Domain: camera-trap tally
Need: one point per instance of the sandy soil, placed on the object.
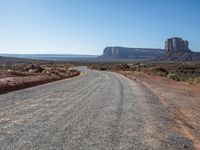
(181, 99)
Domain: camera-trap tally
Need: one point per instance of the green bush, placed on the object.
(173, 76)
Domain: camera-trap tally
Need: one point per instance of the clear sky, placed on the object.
(87, 26)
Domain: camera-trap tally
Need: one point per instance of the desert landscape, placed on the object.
(172, 86)
(99, 75)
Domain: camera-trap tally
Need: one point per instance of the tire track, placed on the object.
(70, 119)
(103, 110)
(116, 125)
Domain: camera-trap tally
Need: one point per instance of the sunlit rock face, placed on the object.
(176, 45)
(130, 53)
(177, 50)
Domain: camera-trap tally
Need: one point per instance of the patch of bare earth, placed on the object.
(181, 99)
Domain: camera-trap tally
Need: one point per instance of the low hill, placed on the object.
(180, 57)
(13, 60)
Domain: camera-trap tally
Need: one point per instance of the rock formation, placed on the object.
(177, 49)
(176, 45)
(130, 53)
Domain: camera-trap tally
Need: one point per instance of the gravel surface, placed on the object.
(97, 111)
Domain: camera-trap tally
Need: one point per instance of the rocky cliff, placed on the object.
(130, 53)
(176, 45)
(177, 49)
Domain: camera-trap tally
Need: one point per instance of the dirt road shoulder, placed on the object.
(181, 99)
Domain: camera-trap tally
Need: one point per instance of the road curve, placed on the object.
(96, 111)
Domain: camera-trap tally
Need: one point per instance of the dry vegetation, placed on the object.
(22, 75)
(187, 72)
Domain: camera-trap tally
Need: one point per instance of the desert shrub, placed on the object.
(158, 71)
(197, 80)
(185, 68)
(173, 76)
(62, 70)
(187, 72)
(124, 67)
(33, 68)
(102, 68)
(142, 65)
(47, 72)
(73, 70)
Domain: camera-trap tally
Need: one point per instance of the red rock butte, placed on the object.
(176, 45)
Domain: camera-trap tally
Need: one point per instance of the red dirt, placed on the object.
(181, 99)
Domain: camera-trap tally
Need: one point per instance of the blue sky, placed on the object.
(87, 26)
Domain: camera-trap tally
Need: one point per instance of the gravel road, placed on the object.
(96, 111)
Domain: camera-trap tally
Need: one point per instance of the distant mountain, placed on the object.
(130, 53)
(50, 56)
(177, 49)
(3, 58)
(12, 60)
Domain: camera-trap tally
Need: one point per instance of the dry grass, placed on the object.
(19, 76)
(186, 72)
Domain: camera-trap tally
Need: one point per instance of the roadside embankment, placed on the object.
(32, 75)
